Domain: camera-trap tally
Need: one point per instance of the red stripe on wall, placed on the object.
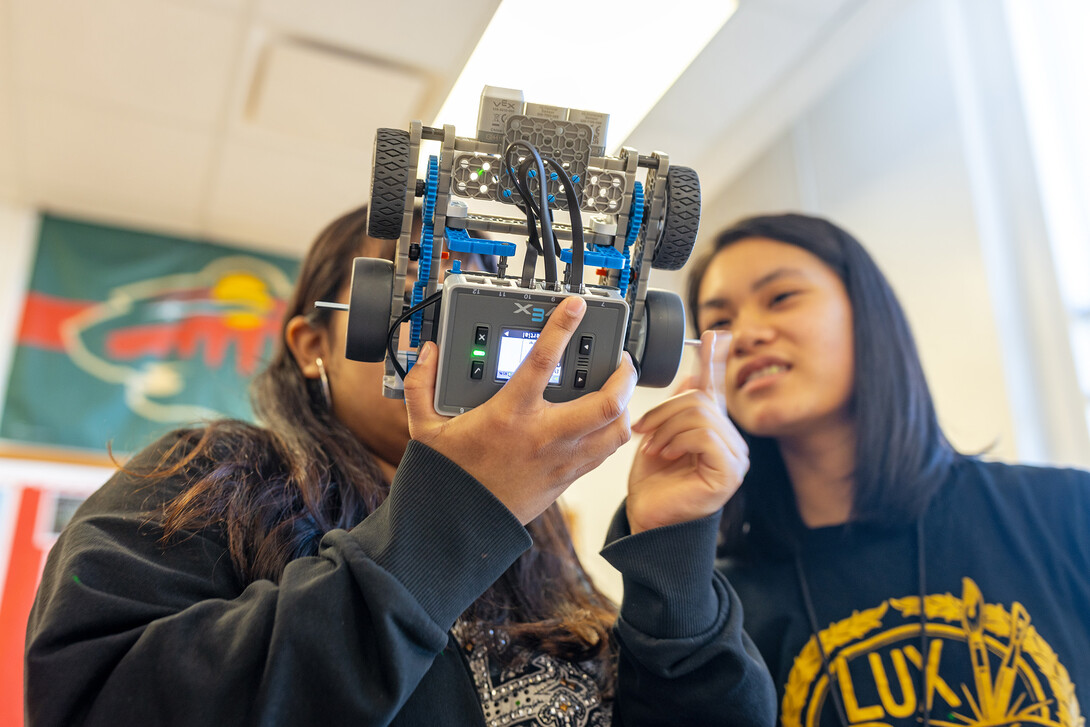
(42, 318)
(24, 570)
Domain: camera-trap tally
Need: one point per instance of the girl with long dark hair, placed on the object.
(360, 560)
(886, 578)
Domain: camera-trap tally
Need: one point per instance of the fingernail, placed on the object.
(425, 353)
(575, 306)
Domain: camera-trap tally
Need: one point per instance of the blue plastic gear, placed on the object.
(431, 190)
(635, 216)
(427, 238)
(635, 221)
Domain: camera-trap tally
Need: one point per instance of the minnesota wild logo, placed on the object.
(125, 334)
(155, 336)
(985, 667)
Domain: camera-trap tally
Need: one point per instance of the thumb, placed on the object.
(420, 392)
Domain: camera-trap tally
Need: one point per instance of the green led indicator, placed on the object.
(479, 352)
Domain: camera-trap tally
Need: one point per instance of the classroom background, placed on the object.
(165, 163)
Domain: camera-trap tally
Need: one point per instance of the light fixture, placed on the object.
(614, 56)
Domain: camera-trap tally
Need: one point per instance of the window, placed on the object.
(1051, 57)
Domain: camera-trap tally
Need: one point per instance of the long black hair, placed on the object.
(902, 454)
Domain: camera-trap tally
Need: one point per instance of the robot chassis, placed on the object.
(634, 226)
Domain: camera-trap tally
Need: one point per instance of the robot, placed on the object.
(643, 214)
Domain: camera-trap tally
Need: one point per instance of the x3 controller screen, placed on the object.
(515, 345)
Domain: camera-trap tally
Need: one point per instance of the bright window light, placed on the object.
(612, 56)
(1051, 58)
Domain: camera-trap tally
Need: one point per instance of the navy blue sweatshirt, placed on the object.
(1006, 579)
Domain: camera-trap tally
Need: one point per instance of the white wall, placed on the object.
(884, 154)
(18, 232)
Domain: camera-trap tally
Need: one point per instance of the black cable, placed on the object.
(800, 574)
(528, 207)
(530, 210)
(922, 578)
(548, 245)
(529, 261)
(545, 219)
(521, 181)
(430, 300)
(575, 216)
(529, 264)
(523, 184)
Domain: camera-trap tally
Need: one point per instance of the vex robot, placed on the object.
(527, 165)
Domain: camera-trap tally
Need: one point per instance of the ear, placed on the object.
(307, 343)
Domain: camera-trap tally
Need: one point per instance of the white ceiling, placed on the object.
(252, 121)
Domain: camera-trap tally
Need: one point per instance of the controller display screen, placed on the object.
(515, 345)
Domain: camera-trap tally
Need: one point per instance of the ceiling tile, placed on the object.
(79, 156)
(435, 35)
(279, 200)
(157, 56)
(310, 92)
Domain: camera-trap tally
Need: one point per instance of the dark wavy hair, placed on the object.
(902, 454)
(276, 489)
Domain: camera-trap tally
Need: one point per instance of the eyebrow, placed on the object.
(757, 285)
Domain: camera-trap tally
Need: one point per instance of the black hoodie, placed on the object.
(1005, 569)
(128, 631)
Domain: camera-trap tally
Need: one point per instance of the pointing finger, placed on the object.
(533, 374)
(716, 365)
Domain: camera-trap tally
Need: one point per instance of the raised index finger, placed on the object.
(711, 379)
(528, 383)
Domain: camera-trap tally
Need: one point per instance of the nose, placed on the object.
(749, 332)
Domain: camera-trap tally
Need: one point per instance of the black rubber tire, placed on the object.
(389, 184)
(682, 219)
(664, 321)
(369, 309)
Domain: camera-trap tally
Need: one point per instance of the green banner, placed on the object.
(127, 334)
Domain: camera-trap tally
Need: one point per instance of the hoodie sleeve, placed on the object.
(127, 630)
(684, 658)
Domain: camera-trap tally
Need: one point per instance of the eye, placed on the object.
(781, 297)
(722, 324)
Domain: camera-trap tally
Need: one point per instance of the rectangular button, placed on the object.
(481, 337)
(584, 345)
(580, 379)
(476, 369)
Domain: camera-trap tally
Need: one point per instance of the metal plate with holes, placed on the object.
(603, 191)
(565, 141)
(476, 176)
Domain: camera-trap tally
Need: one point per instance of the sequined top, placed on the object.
(526, 688)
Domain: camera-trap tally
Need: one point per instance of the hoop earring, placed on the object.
(325, 383)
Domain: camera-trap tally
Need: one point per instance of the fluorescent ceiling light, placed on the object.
(614, 56)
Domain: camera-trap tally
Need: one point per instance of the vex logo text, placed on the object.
(537, 314)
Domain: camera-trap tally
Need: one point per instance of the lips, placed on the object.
(760, 368)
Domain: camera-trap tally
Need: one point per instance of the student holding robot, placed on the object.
(362, 560)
